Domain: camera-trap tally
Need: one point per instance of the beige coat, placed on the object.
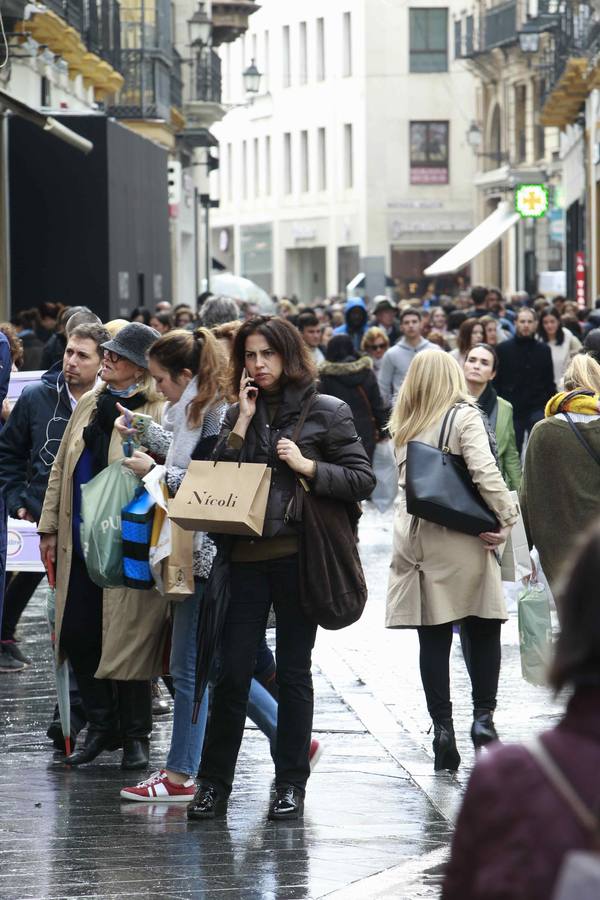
(438, 575)
(134, 623)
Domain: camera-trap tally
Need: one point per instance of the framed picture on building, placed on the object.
(429, 152)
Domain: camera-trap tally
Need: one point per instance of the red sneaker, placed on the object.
(158, 789)
(314, 756)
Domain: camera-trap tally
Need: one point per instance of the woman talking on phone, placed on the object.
(275, 377)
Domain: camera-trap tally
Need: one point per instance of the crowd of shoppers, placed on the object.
(522, 394)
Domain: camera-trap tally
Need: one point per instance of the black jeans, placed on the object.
(483, 636)
(524, 422)
(254, 587)
(19, 592)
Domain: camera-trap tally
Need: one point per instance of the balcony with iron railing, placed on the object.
(98, 22)
(486, 30)
(202, 96)
(564, 61)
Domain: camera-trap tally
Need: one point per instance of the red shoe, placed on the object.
(158, 789)
(314, 756)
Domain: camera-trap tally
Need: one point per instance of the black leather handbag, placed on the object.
(333, 590)
(439, 487)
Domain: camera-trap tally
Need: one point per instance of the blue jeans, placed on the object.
(262, 709)
(187, 738)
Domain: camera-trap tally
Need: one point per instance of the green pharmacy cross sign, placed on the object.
(532, 200)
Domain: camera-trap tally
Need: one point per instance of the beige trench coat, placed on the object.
(438, 575)
(134, 623)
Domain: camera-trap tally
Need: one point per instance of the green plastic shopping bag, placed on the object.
(102, 500)
(535, 633)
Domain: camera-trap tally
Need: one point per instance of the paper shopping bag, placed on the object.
(223, 498)
(516, 562)
(178, 567)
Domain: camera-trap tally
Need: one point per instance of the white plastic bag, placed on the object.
(516, 561)
(153, 482)
(386, 472)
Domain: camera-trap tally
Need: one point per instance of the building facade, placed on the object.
(353, 156)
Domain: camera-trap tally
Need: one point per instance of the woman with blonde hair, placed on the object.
(114, 638)
(439, 576)
(561, 472)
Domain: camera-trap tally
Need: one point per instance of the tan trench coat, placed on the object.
(134, 623)
(438, 575)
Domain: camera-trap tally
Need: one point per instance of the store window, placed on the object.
(428, 40)
(429, 152)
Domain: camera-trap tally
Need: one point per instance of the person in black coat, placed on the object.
(275, 378)
(525, 374)
(350, 378)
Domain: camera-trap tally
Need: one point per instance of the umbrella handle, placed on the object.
(50, 570)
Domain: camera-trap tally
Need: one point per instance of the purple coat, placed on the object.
(514, 829)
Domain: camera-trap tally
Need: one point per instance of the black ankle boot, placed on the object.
(444, 746)
(95, 743)
(482, 730)
(136, 753)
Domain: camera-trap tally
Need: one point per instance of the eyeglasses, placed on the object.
(377, 346)
(112, 356)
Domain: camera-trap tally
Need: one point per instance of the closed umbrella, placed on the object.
(213, 611)
(61, 670)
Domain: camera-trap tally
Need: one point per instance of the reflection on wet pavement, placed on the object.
(65, 833)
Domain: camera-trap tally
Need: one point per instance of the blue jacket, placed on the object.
(30, 440)
(356, 334)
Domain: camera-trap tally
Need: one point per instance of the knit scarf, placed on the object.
(584, 402)
(97, 435)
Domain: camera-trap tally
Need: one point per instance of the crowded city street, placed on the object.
(379, 823)
(299, 450)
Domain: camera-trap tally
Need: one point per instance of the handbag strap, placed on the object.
(365, 397)
(444, 440)
(588, 819)
(303, 417)
(581, 438)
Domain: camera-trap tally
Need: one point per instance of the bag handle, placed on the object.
(581, 438)
(444, 441)
(588, 819)
(303, 418)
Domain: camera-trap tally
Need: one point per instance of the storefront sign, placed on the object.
(23, 547)
(532, 200)
(424, 175)
(580, 278)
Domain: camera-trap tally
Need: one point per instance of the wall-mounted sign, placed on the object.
(580, 278)
(532, 200)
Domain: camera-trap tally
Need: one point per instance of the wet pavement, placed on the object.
(377, 820)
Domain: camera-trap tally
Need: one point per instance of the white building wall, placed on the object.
(375, 95)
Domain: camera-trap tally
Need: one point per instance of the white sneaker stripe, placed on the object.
(160, 789)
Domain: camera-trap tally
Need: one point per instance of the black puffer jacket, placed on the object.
(328, 436)
(354, 382)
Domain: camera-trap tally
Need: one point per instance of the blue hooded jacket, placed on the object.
(356, 334)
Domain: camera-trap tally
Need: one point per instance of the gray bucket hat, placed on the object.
(133, 342)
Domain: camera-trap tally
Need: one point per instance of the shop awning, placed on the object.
(46, 122)
(478, 240)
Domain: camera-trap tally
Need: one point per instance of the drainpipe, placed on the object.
(4, 220)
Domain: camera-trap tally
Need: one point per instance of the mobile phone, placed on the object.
(251, 383)
(139, 421)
